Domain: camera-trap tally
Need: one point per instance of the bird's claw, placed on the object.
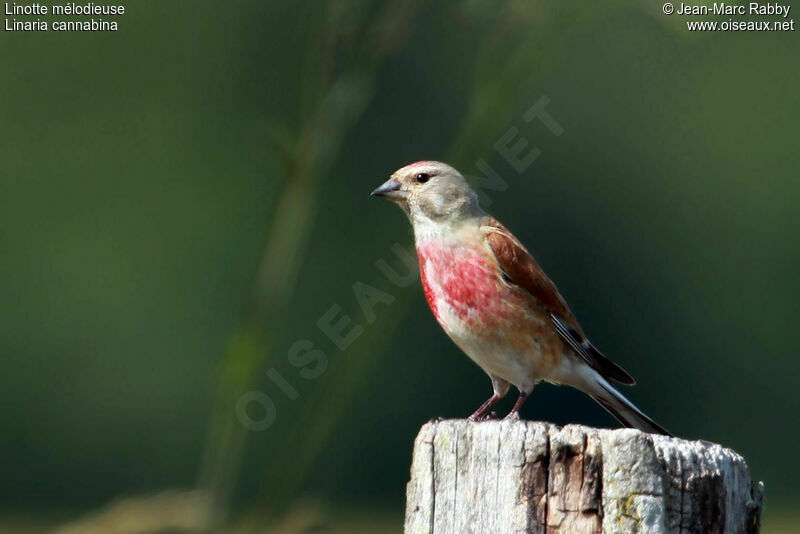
(491, 416)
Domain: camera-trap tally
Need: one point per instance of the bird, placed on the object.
(495, 302)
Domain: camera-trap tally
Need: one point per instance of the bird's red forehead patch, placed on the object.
(422, 163)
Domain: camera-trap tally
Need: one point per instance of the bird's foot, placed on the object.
(436, 419)
(512, 416)
(476, 418)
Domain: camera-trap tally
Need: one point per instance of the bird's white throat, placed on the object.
(443, 231)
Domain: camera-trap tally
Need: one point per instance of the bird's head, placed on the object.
(430, 192)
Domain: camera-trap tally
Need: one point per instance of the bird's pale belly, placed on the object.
(494, 323)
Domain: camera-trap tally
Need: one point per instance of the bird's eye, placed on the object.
(423, 177)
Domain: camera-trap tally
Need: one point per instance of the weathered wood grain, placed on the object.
(504, 477)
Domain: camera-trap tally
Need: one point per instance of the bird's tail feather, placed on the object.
(623, 409)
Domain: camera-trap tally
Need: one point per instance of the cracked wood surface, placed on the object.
(504, 477)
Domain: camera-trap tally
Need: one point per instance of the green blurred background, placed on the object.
(182, 200)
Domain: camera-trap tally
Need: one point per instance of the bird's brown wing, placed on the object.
(521, 269)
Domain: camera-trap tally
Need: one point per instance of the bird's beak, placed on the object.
(390, 190)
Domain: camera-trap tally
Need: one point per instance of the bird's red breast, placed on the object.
(464, 289)
(458, 277)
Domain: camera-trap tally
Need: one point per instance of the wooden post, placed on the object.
(504, 477)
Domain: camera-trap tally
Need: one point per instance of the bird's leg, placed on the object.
(485, 407)
(500, 388)
(514, 413)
